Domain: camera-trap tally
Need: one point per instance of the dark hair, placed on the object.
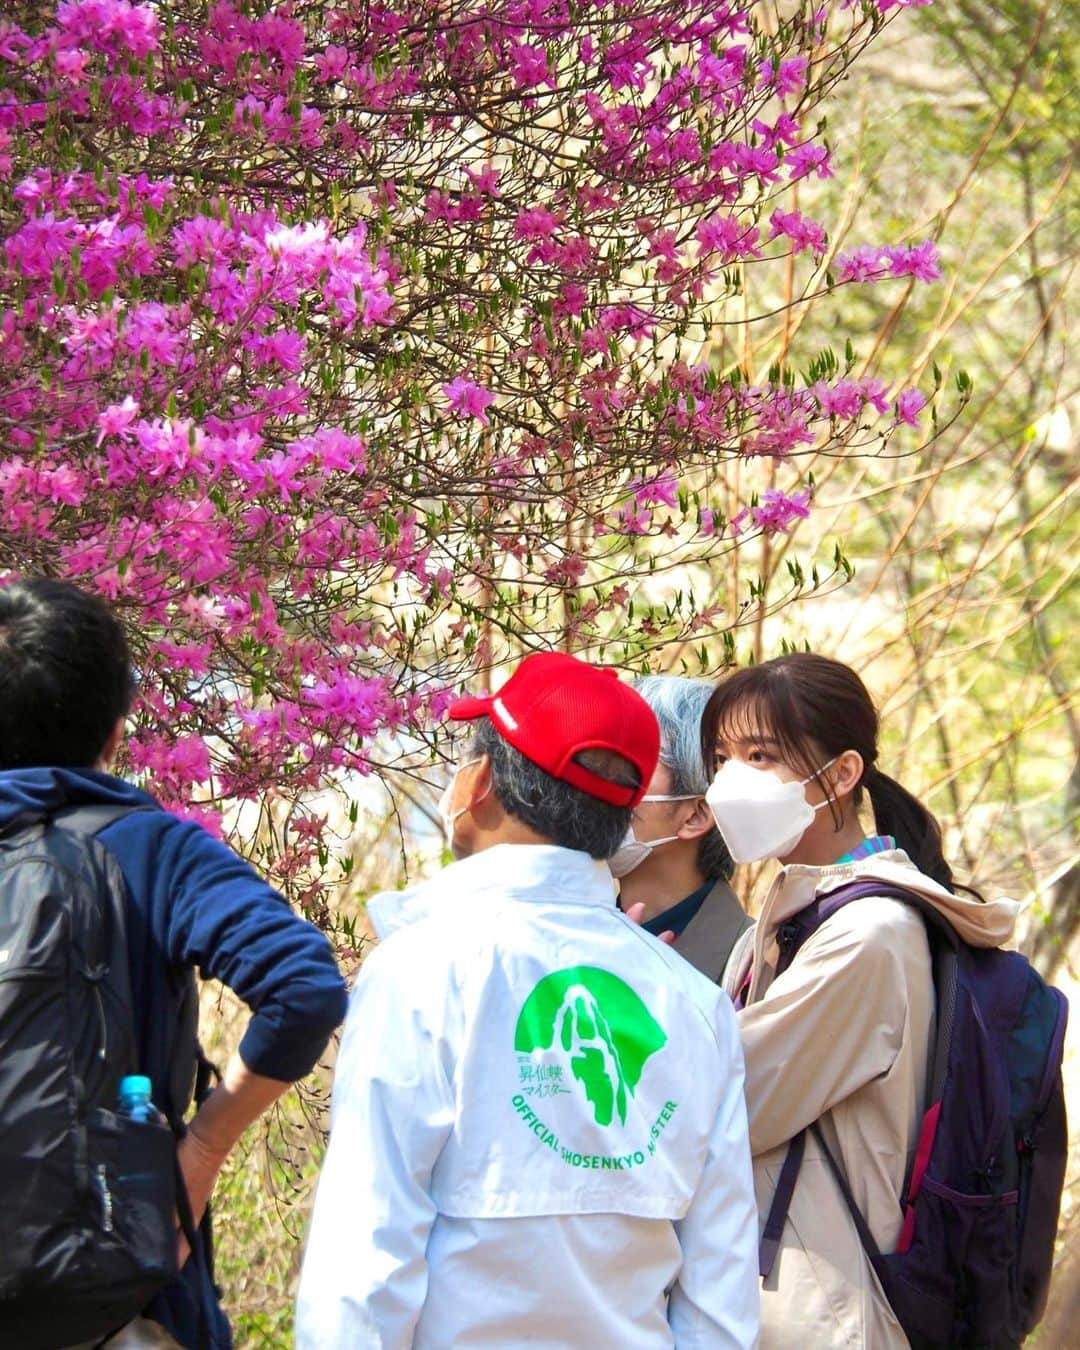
(564, 814)
(65, 674)
(714, 861)
(810, 704)
(678, 703)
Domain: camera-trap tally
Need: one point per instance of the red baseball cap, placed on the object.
(554, 706)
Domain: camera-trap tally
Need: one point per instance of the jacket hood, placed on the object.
(981, 923)
(41, 791)
(512, 871)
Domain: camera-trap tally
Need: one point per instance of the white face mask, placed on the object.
(759, 815)
(633, 851)
(446, 815)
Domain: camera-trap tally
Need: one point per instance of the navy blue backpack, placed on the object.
(972, 1265)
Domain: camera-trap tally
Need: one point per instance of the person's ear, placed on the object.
(477, 784)
(844, 774)
(112, 745)
(698, 823)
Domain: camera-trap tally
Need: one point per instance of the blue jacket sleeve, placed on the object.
(209, 908)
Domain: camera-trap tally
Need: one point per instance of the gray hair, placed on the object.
(678, 703)
(562, 813)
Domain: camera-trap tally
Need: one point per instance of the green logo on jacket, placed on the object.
(602, 1028)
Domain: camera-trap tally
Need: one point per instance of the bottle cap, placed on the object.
(135, 1085)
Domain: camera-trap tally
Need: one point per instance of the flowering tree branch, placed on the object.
(348, 346)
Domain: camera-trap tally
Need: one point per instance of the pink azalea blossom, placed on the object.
(802, 160)
(485, 179)
(917, 260)
(909, 404)
(661, 490)
(529, 67)
(778, 511)
(864, 264)
(116, 418)
(728, 236)
(802, 232)
(536, 223)
(843, 399)
(468, 398)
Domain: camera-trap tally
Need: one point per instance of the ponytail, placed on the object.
(899, 813)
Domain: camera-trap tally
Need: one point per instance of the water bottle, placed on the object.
(139, 1206)
(133, 1099)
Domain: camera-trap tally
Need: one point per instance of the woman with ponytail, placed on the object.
(837, 1036)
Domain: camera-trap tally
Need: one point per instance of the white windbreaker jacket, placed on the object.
(538, 1134)
(842, 1037)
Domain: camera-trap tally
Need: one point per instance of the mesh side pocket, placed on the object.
(133, 1172)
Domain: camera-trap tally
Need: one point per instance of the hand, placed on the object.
(199, 1166)
(637, 914)
(237, 1102)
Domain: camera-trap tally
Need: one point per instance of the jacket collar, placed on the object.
(523, 872)
(798, 884)
(707, 940)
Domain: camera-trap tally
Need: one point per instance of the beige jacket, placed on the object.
(842, 1036)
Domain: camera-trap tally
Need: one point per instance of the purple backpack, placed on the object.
(972, 1265)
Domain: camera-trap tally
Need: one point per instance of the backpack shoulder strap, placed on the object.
(794, 932)
(889, 890)
(791, 937)
(185, 1054)
(781, 1203)
(870, 1247)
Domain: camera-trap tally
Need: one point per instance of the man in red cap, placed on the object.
(538, 1132)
